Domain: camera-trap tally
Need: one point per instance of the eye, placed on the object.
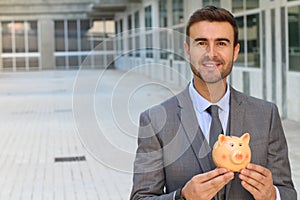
(231, 144)
(221, 43)
(202, 44)
(240, 144)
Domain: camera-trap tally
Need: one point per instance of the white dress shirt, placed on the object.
(201, 104)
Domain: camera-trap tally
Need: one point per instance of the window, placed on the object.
(72, 35)
(148, 18)
(74, 39)
(137, 36)
(129, 23)
(85, 26)
(178, 40)
(148, 25)
(163, 13)
(59, 35)
(249, 41)
(32, 36)
(177, 10)
(20, 45)
(130, 40)
(136, 21)
(241, 5)
(7, 37)
(253, 40)
(211, 2)
(19, 28)
(294, 38)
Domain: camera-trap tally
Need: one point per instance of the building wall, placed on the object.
(268, 65)
(38, 34)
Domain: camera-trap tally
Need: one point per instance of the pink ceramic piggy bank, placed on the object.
(231, 152)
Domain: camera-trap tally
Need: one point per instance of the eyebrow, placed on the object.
(218, 39)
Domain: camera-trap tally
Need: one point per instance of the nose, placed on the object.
(211, 51)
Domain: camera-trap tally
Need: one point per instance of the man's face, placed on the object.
(211, 51)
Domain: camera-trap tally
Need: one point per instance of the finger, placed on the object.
(216, 184)
(219, 182)
(253, 190)
(262, 170)
(253, 176)
(251, 182)
(201, 178)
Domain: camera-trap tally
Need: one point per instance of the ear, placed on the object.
(246, 138)
(187, 51)
(221, 139)
(236, 52)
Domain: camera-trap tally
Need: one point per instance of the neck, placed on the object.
(212, 92)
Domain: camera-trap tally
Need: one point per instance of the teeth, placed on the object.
(210, 65)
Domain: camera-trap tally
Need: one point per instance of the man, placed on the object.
(173, 159)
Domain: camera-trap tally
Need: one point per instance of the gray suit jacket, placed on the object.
(172, 148)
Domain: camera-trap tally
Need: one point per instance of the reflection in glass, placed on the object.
(6, 38)
(241, 58)
(241, 5)
(19, 30)
(136, 21)
(163, 42)
(149, 49)
(137, 36)
(179, 38)
(7, 63)
(253, 40)
(84, 35)
(59, 35)
(163, 13)
(237, 5)
(252, 4)
(72, 35)
(294, 38)
(20, 63)
(177, 11)
(148, 18)
(211, 2)
(32, 36)
(249, 54)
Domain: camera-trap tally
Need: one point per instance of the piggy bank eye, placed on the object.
(231, 144)
(240, 144)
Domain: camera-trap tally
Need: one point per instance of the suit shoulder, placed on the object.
(253, 101)
(169, 104)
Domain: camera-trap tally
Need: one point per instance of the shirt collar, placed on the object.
(201, 104)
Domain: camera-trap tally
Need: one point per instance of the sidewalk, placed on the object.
(57, 144)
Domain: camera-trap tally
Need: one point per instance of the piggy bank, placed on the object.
(231, 152)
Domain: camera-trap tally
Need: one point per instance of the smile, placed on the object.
(211, 65)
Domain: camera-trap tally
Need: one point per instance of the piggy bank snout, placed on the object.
(238, 157)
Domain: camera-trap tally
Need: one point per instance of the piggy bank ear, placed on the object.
(246, 138)
(221, 139)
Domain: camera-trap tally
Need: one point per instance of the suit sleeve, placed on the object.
(278, 161)
(148, 177)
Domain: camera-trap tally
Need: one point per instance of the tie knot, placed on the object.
(213, 110)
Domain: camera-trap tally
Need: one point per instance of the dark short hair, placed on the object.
(212, 14)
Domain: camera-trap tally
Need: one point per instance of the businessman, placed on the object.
(173, 158)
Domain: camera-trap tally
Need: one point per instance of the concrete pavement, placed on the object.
(69, 135)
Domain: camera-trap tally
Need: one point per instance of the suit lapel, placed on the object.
(236, 115)
(189, 122)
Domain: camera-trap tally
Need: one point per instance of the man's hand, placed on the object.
(258, 181)
(205, 186)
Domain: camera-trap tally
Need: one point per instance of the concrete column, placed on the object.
(46, 27)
